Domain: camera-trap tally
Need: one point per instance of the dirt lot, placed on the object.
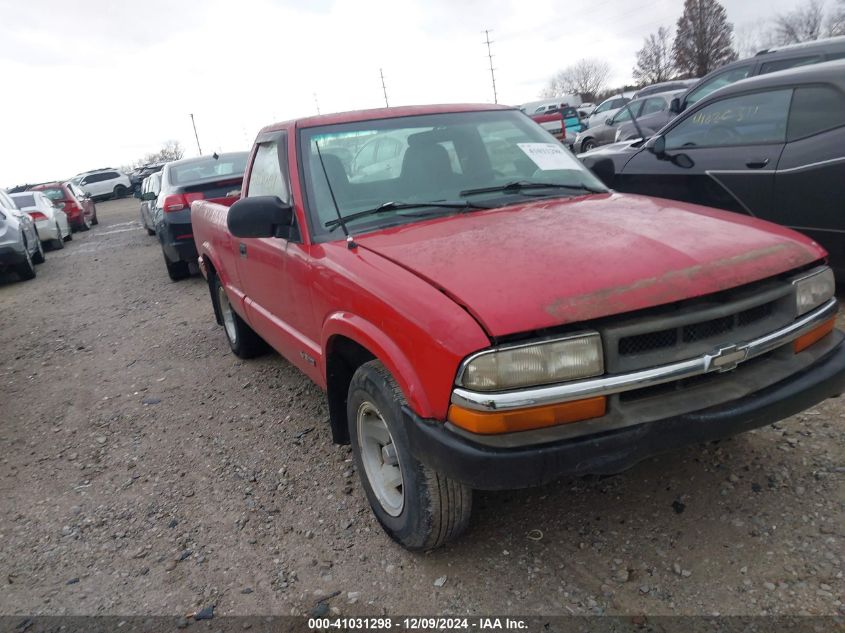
(147, 470)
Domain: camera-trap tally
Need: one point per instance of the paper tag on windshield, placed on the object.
(549, 156)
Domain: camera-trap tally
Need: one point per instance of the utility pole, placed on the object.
(492, 73)
(316, 103)
(197, 136)
(383, 88)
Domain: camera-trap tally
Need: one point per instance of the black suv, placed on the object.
(772, 147)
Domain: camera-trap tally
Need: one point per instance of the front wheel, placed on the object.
(418, 507)
(587, 144)
(243, 340)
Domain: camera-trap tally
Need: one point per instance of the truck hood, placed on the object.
(556, 261)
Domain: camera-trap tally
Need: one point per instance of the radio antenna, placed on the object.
(350, 242)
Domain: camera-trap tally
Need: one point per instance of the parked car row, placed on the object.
(41, 215)
(166, 196)
(771, 147)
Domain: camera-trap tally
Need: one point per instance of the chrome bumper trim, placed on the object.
(720, 360)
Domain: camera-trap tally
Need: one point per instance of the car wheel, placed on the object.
(94, 220)
(38, 255)
(151, 231)
(69, 236)
(243, 340)
(587, 144)
(418, 507)
(119, 191)
(59, 242)
(26, 269)
(84, 225)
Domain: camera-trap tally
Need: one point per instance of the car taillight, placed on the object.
(179, 201)
(37, 216)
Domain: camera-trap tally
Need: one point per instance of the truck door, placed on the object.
(274, 271)
(722, 155)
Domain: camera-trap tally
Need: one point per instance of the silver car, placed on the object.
(20, 248)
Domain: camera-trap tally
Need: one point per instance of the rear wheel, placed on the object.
(94, 220)
(151, 231)
(26, 269)
(38, 255)
(119, 191)
(59, 242)
(243, 340)
(418, 507)
(177, 270)
(84, 223)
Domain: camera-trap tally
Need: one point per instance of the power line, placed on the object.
(197, 136)
(492, 70)
(383, 88)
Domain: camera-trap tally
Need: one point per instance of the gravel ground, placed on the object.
(146, 470)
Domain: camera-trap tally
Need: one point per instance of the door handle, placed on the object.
(242, 249)
(757, 163)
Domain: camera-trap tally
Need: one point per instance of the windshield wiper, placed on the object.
(521, 185)
(398, 206)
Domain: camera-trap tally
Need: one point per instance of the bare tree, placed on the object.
(836, 20)
(586, 78)
(749, 39)
(654, 59)
(703, 38)
(172, 150)
(802, 25)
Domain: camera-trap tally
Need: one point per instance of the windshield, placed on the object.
(434, 158)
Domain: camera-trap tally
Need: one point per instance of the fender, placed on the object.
(382, 347)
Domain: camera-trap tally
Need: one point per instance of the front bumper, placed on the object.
(477, 463)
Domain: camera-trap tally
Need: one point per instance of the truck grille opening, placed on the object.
(693, 332)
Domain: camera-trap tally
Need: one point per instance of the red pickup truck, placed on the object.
(487, 315)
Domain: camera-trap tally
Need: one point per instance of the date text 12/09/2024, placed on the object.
(418, 624)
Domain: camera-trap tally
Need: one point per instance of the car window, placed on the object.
(623, 115)
(714, 83)
(653, 105)
(267, 177)
(815, 109)
(794, 62)
(603, 107)
(24, 200)
(54, 193)
(745, 120)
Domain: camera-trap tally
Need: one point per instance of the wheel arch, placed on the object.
(349, 341)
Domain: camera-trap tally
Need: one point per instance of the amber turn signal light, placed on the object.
(494, 422)
(805, 340)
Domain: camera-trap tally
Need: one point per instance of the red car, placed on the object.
(490, 316)
(79, 207)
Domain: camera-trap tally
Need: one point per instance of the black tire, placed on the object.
(94, 220)
(26, 269)
(119, 192)
(435, 509)
(177, 270)
(69, 236)
(587, 144)
(85, 225)
(151, 231)
(243, 340)
(58, 243)
(38, 255)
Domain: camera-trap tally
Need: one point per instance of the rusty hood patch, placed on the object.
(561, 261)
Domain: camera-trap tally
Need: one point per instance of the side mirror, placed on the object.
(608, 121)
(675, 106)
(657, 146)
(149, 195)
(261, 216)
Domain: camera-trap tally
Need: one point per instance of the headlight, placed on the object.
(813, 290)
(534, 364)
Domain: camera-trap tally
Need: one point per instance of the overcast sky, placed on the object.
(93, 83)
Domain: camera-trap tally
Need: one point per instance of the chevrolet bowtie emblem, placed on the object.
(727, 358)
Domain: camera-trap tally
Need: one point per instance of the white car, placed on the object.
(104, 183)
(606, 110)
(50, 221)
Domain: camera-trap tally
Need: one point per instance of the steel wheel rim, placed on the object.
(380, 459)
(227, 314)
